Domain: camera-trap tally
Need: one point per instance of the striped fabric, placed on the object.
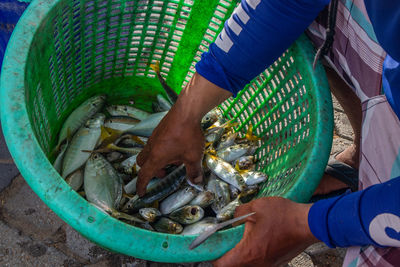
(357, 57)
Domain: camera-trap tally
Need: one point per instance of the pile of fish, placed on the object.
(96, 155)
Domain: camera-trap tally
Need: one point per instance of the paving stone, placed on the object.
(23, 209)
(17, 249)
(7, 168)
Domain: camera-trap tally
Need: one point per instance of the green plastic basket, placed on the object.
(63, 52)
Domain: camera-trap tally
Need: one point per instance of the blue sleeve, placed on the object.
(256, 34)
(10, 11)
(367, 217)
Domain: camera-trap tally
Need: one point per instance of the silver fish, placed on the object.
(200, 226)
(130, 188)
(211, 230)
(253, 177)
(60, 157)
(146, 127)
(114, 156)
(75, 179)
(150, 214)
(120, 123)
(85, 139)
(214, 134)
(211, 117)
(227, 140)
(102, 184)
(80, 115)
(244, 163)
(127, 166)
(228, 211)
(124, 110)
(159, 190)
(187, 214)
(165, 225)
(234, 152)
(164, 104)
(177, 200)
(221, 192)
(234, 192)
(225, 172)
(203, 199)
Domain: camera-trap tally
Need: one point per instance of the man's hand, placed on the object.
(274, 235)
(179, 138)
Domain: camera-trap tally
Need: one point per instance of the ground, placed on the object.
(32, 235)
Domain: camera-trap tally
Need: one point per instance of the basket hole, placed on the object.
(165, 244)
(91, 219)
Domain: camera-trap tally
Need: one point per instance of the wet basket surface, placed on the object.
(63, 52)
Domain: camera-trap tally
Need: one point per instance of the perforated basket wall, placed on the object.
(63, 52)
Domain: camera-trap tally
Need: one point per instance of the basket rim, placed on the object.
(76, 211)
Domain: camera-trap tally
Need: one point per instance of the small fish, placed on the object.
(165, 225)
(60, 157)
(164, 104)
(211, 117)
(124, 110)
(244, 163)
(200, 226)
(111, 147)
(234, 152)
(120, 123)
(85, 139)
(211, 230)
(103, 186)
(146, 127)
(177, 200)
(203, 199)
(158, 191)
(114, 156)
(129, 165)
(221, 192)
(225, 171)
(187, 214)
(213, 135)
(253, 177)
(234, 192)
(172, 95)
(150, 214)
(228, 211)
(75, 179)
(79, 116)
(227, 140)
(129, 140)
(130, 188)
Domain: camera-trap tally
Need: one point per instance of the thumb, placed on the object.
(238, 255)
(146, 173)
(194, 171)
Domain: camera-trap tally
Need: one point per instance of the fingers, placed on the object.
(149, 170)
(194, 171)
(143, 155)
(237, 255)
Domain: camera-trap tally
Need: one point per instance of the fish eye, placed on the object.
(193, 211)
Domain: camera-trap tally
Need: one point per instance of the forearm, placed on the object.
(256, 34)
(367, 217)
(198, 97)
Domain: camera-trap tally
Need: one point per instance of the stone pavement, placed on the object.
(32, 235)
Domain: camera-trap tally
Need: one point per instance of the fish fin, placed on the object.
(237, 167)
(250, 135)
(137, 140)
(69, 134)
(121, 215)
(155, 66)
(108, 136)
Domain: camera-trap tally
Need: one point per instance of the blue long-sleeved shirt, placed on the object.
(253, 38)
